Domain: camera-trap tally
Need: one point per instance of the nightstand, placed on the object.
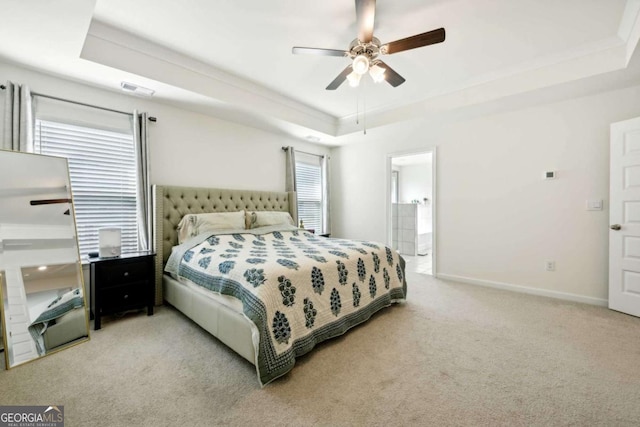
(310, 230)
(123, 283)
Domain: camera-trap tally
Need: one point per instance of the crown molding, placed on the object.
(248, 102)
(115, 48)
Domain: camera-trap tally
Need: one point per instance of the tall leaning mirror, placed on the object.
(43, 299)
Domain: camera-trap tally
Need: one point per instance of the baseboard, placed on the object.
(525, 289)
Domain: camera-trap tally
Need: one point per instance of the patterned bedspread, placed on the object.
(297, 288)
(56, 309)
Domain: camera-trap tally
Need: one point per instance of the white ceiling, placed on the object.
(234, 58)
(56, 271)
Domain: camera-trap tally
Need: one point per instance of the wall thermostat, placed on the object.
(549, 175)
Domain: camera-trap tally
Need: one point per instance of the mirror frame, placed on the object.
(78, 263)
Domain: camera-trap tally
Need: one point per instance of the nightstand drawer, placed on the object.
(125, 272)
(121, 297)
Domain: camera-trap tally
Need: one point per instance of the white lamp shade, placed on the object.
(360, 64)
(110, 242)
(354, 79)
(377, 73)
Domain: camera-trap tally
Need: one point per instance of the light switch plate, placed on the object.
(595, 205)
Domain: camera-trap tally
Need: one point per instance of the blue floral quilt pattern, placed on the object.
(297, 288)
(57, 308)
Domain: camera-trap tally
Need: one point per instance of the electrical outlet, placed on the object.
(550, 265)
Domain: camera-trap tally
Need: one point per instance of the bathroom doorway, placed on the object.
(411, 208)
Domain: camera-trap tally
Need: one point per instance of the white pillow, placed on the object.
(265, 218)
(193, 224)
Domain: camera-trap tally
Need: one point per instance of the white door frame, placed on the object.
(434, 195)
(624, 233)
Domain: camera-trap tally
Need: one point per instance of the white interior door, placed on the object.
(624, 217)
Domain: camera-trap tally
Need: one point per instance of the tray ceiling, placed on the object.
(234, 59)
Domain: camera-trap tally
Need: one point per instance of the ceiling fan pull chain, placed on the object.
(357, 107)
(364, 111)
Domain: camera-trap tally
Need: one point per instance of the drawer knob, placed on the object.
(126, 273)
(126, 296)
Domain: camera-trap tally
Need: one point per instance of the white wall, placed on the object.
(497, 220)
(415, 182)
(187, 148)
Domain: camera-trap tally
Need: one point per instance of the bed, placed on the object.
(60, 321)
(270, 293)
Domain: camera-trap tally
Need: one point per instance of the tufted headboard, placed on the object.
(172, 203)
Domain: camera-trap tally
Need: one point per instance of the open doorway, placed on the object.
(411, 208)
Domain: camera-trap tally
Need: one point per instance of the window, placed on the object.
(309, 191)
(102, 168)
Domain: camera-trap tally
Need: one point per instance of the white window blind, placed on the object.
(309, 191)
(102, 167)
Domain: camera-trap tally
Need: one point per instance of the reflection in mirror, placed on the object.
(43, 304)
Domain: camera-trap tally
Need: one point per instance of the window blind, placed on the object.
(309, 191)
(102, 168)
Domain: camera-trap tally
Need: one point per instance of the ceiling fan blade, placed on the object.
(365, 15)
(341, 78)
(419, 40)
(48, 201)
(393, 78)
(319, 51)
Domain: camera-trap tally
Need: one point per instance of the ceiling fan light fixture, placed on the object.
(377, 73)
(360, 64)
(354, 79)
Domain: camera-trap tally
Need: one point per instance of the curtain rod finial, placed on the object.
(152, 119)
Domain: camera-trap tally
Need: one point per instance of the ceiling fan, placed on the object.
(51, 202)
(364, 50)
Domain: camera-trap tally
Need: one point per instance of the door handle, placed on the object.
(615, 227)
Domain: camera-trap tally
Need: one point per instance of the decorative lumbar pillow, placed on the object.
(193, 224)
(265, 218)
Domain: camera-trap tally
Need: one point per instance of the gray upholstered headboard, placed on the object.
(172, 203)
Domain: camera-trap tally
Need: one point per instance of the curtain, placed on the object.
(18, 118)
(290, 177)
(140, 139)
(326, 196)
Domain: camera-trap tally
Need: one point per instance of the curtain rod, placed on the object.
(41, 95)
(304, 152)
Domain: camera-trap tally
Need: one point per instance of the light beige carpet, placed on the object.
(454, 354)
